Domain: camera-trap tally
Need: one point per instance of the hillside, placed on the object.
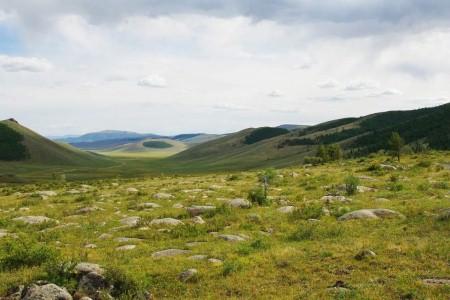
(358, 136)
(44, 151)
(107, 135)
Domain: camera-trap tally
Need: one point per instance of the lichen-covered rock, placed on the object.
(183, 277)
(166, 221)
(85, 267)
(286, 209)
(370, 214)
(163, 196)
(231, 238)
(32, 220)
(196, 210)
(239, 203)
(92, 282)
(130, 221)
(45, 292)
(168, 253)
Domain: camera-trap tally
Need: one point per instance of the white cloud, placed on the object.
(361, 84)
(153, 81)
(229, 106)
(275, 94)
(388, 92)
(25, 64)
(329, 84)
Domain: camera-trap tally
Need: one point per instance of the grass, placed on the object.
(284, 256)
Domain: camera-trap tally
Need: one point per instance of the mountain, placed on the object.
(291, 127)
(107, 135)
(40, 150)
(357, 136)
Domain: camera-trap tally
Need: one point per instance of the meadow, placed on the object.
(294, 245)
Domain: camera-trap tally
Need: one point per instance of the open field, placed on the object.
(293, 247)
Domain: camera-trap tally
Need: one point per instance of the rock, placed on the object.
(192, 244)
(239, 203)
(254, 217)
(73, 192)
(3, 233)
(365, 253)
(47, 193)
(183, 277)
(331, 199)
(366, 178)
(178, 205)
(436, 281)
(197, 257)
(166, 221)
(338, 287)
(230, 238)
(215, 261)
(388, 167)
(286, 209)
(92, 282)
(125, 247)
(149, 205)
(381, 200)
(362, 189)
(86, 210)
(313, 220)
(199, 209)
(163, 196)
(130, 221)
(168, 253)
(85, 267)
(105, 236)
(326, 211)
(126, 240)
(198, 220)
(32, 220)
(45, 292)
(294, 175)
(131, 190)
(91, 246)
(215, 187)
(370, 214)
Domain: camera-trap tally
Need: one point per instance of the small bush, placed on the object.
(351, 185)
(394, 177)
(231, 267)
(396, 186)
(269, 174)
(424, 163)
(256, 195)
(440, 185)
(311, 211)
(424, 186)
(122, 281)
(315, 161)
(62, 272)
(374, 167)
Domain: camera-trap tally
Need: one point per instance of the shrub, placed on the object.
(256, 195)
(230, 267)
(269, 174)
(440, 185)
(122, 281)
(424, 163)
(424, 186)
(351, 185)
(311, 211)
(61, 272)
(394, 177)
(374, 167)
(396, 186)
(315, 161)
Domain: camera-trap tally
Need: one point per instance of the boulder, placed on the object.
(92, 282)
(198, 220)
(130, 221)
(45, 292)
(125, 247)
(166, 221)
(183, 277)
(331, 199)
(169, 253)
(239, 203)
(163, 196)
(85, 267)
(370, 214)
(362, 189)
(32, 220)
(231, 238)
(196, 210)
(388, 167)
(286, 209)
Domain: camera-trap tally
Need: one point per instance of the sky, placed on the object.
(214, 66)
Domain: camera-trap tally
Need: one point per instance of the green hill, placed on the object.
(41, 150)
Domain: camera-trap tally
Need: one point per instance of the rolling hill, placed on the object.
(41, 150)
(107, 135)
(358, 136)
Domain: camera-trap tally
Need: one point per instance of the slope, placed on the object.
(44, 151)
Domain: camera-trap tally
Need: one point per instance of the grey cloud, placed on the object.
(25, 64)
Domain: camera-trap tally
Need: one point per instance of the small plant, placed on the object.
(232, 177)
(424, 186)
(351, 185)
(440, 185)
(374, 167)
(61, 272)
(267, 176)
(311, 211)
(396, 186)
(256, 195)
(394, 177)
(231, 267)
(123, 282)
(424, 163)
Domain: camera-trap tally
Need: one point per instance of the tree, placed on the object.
(322, 152)
(334, 151)
(396, 143)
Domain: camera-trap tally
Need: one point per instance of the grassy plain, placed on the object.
(283, 255)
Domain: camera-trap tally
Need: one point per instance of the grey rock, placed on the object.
(381, 200)
(239, 203)
(45, 292)
(183, 277)
(286, 209)
(231, 238)
(125, 247)
(92, 282)
(331, 199)
(85, 267)
(196, 210)
(370, 214)
(362, 189)
(166, 221)
(198, 220)
(436, 281)
(388, 167)
(32, 220)
(149, 205)
(197, 257)
(168, 253)
(126, 240)
(215, 261)
(86, 210)
(365, 254)
(163, 196)
(131, 190)
(47, 193)
(105, 236)
(178, 205)
(130, 221)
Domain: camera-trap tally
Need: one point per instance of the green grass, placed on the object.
(285, 256)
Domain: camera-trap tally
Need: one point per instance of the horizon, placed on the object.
(173, 68)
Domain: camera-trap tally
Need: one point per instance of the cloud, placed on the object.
(24, 64)
(330, 98)
(275, 94)
(286, 111)
(361, 84)
(153, 81)
(229, 106)
(329, 84)
(388, 92)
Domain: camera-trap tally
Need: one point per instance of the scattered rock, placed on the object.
(198, 220)
(364, 254)
(436, 281)
(126, 240)
(254, 217)
(105, 236)
(286, 209)
(32, 220)
(163, 196)
(215, 187)
(149, 205)
(183, 277)
(362, 189)
(231, 238)
(85, 267)
(367, 178)
(199, 209)
(125, 247)
(192, 244)
(197, 257)
(338, 287)
(91, 246)
(215, 261)
(168, 253)
(130, 221)
(239, 203)
(86, 210)
(381, 200)
(92, 282)
(388, 167)
(131, 190)
(47, 193)
(166, 221)
(178, 205)
(45, 292)
(313, 220)
(331, 199)
(370, 214)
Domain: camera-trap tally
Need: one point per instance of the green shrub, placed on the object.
(396, 186)
(440, 185)
(424, 186)
(374, 167)
(310, 211)
(351, 185)
(230, 267)
(424, 163)
(123, 282)
(394, 177)
(61, 272)
(269, 174)
(315, 161)
(256, 196)
(23, 252)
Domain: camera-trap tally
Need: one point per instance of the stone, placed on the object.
(436, 281)
(364, 254)
(131, 190)
(149, 205)
(178, 205)
(86, 210)
(231, 238)
(286, 209)
(32, 220)
(85, 267)
(388, 167)
(183, 277)
(196, 210)
(47, 193)
(92, 282)
(198, 220)
(166, 221)
(381, 200)
(169, 253)
(239, 203)
(192, 244)
(91, 246)
(197, 257)
(215, 261)
(366, 178)
(45, 292)
(370, 214)
(126, 240)
(338, 287)
(215, 187)
(254, 217)
(163, 196)
(125, 247)
(105, 236)
(130, 221)
(362, 189)
(331, 199)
